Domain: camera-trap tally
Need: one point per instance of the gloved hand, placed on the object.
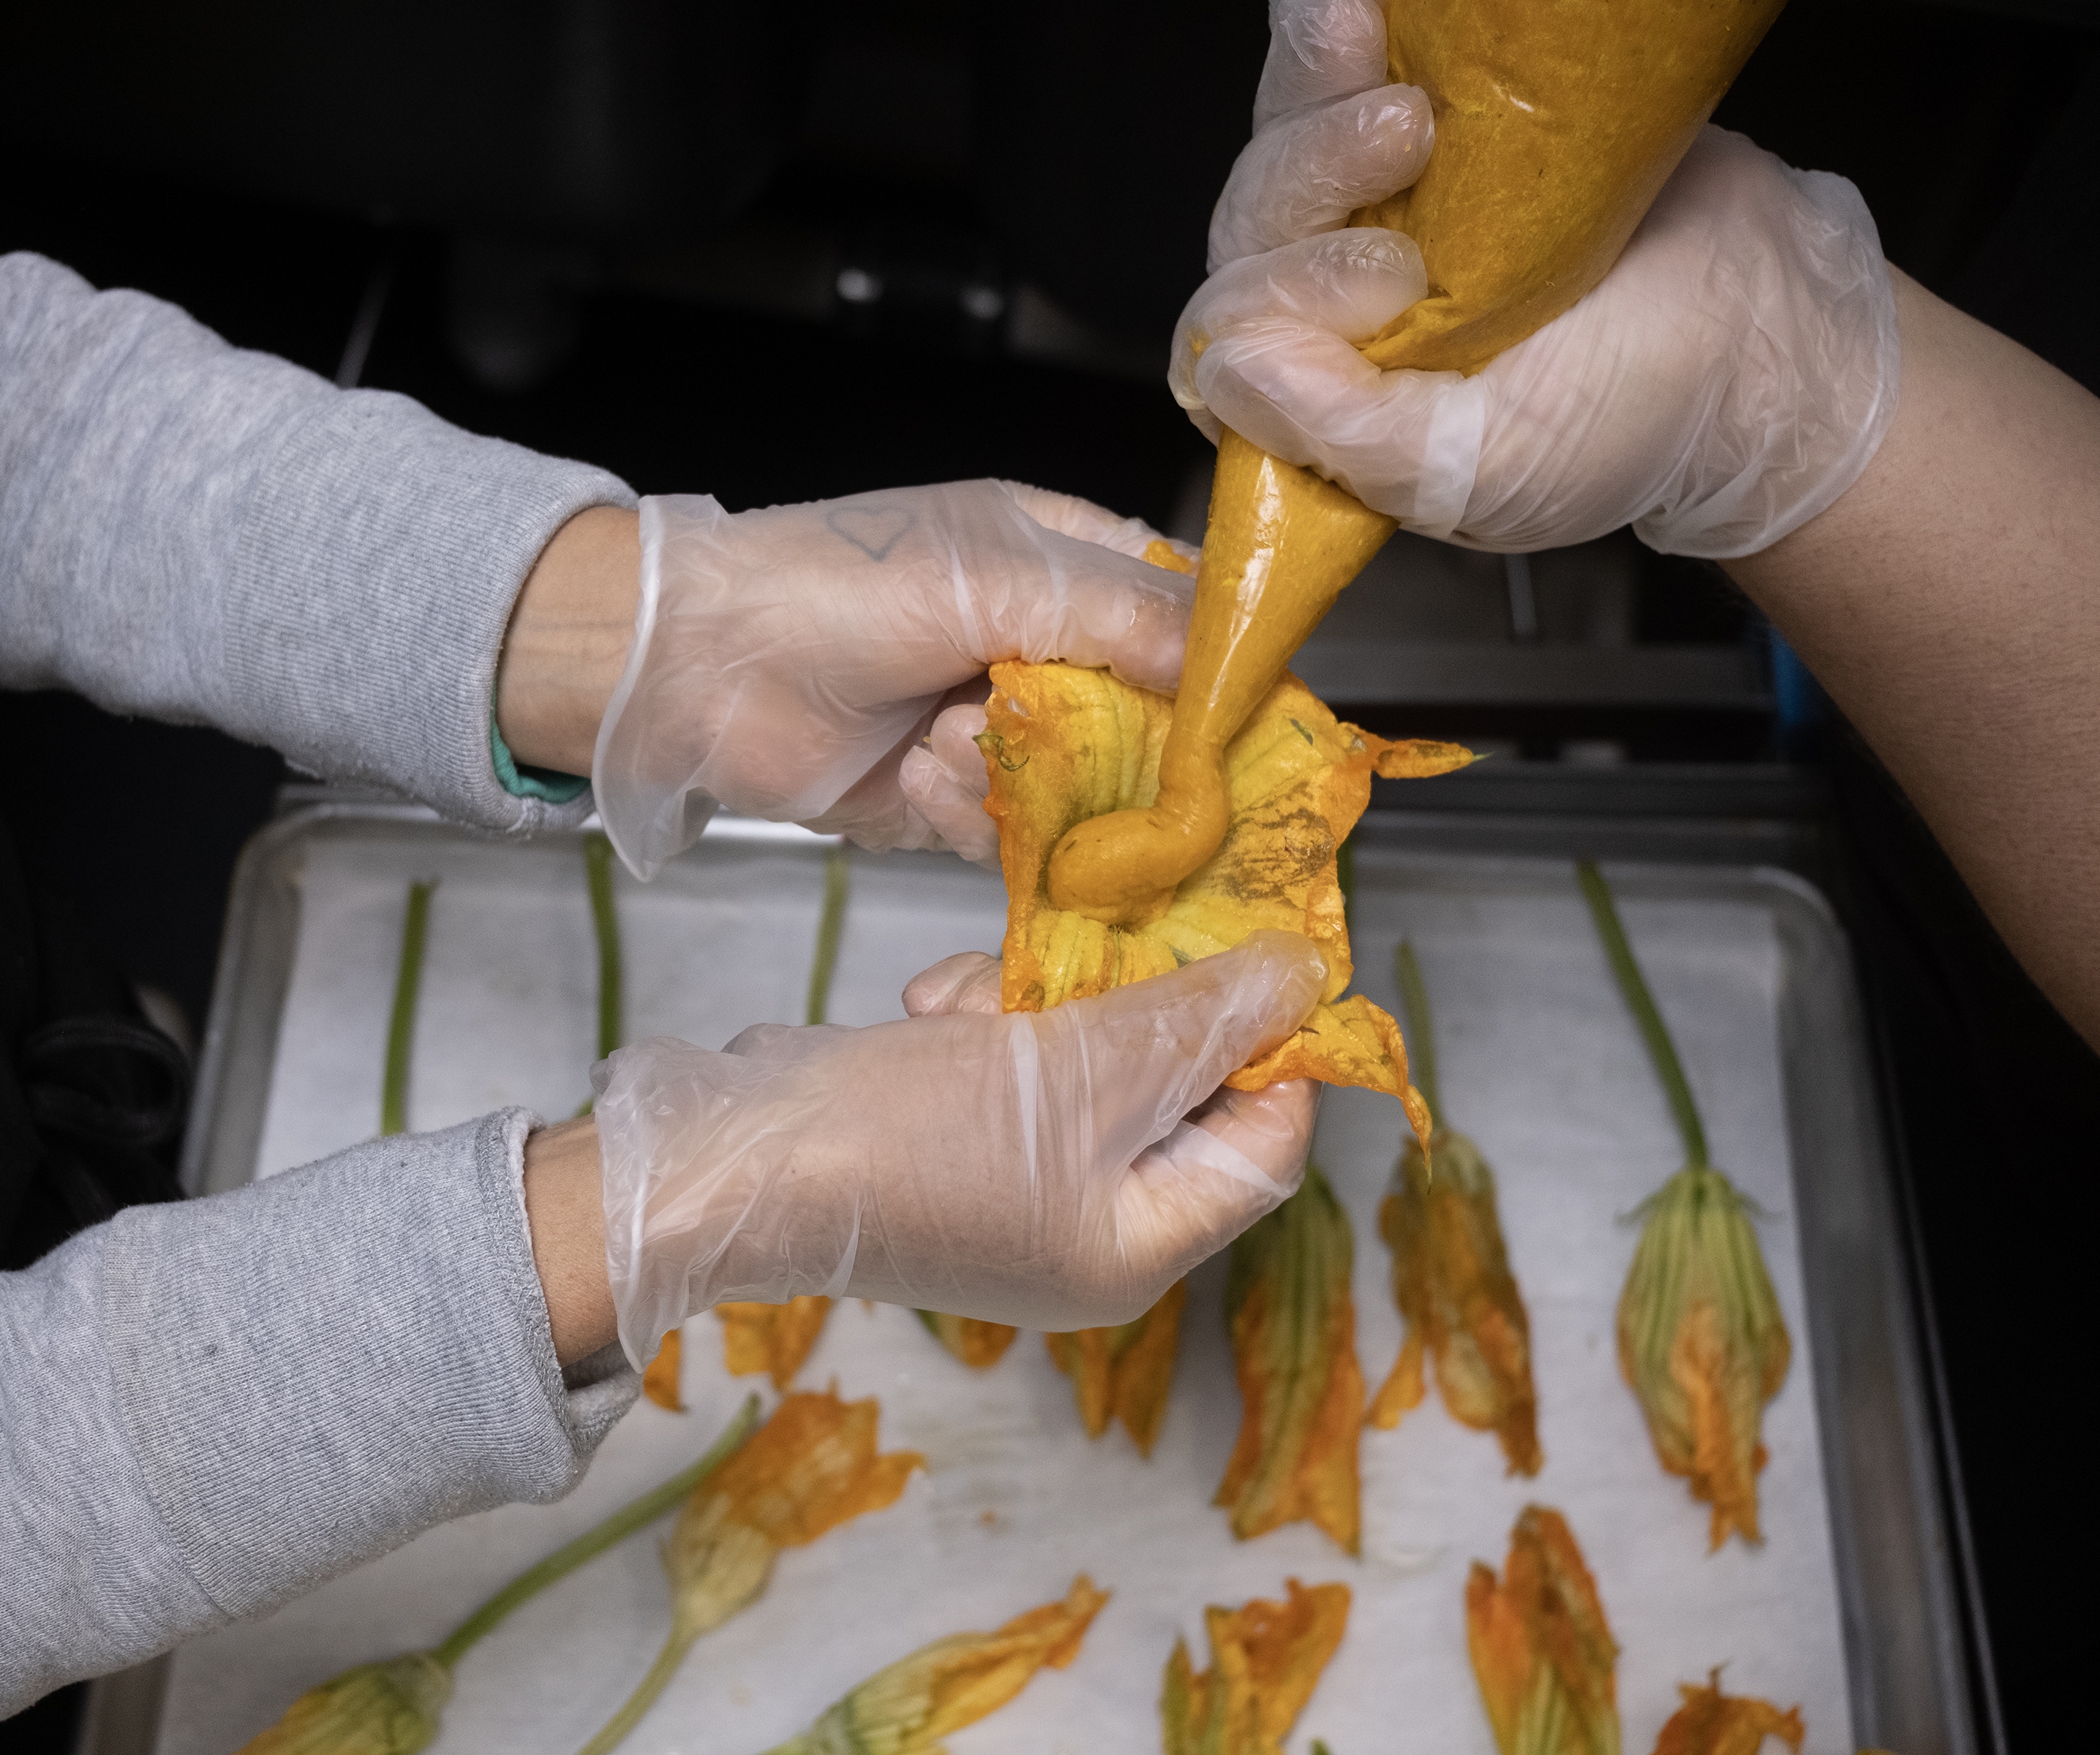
(1056, 1169)
(788, 662)
(1728, 380)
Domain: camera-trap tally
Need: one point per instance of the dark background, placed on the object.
(625, 233)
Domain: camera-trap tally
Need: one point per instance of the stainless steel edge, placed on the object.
(1912, 1689)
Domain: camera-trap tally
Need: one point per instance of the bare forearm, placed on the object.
(564, 1210)
(1950, 602)
(567, 640)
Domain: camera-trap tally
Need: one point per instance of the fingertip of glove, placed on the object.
(1279, 980)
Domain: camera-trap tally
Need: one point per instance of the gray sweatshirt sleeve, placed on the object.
(207, 1409)
(195, 533)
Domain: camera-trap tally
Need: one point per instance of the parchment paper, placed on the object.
(1540, 1062)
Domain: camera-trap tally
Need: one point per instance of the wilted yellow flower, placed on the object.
(1541, 1651)
(389, 1709)
(1710, 1722)
(980, 1345)
(809, 1468)
(1702, 1342)
(1701, 1339)
(1124, 1371)
(1265, 1661)
(775, 1338)
(1451, 1279)
(1064, 744)
(908, 1707)
(1295, 1352)
(1450, 1273)
(659, 1376)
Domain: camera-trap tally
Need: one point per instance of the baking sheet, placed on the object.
(1539, 1062)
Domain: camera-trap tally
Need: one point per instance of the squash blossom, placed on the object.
(1063, 745)
(1541, 1651)
(393, 1708)
(386, 1709)
(775, 1338)
(980, 1345)
(1265, 1661)
(908, 1707)
(1710, 1722)
(1701, 1341)
(1451, 1276)
(1295, 1352)
(1123, 1372)
(810, 1468)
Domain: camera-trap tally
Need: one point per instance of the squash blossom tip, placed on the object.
(978, 1344)
(907, 1708)
(1710, 1722)
(772, 1338)
(1266, 1659)
(1124, 1372)
(1542, 1652)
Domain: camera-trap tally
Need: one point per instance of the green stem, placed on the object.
(605, 919)
(592, 1542)
(829, 924)
(1660, 1050)
(644, 1694)
(401, 1025)
(1421, 1033)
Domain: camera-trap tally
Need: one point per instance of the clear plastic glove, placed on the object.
(791, 661)
(1726, 381)
(1055, 1170)
(1330, 135)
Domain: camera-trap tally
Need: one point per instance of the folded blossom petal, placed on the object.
(908, 1707)
(1541, 1651)
(1293, 1319)
(1123, 1373)
(1265, 1661)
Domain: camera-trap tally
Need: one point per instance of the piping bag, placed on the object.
(1558, 123)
